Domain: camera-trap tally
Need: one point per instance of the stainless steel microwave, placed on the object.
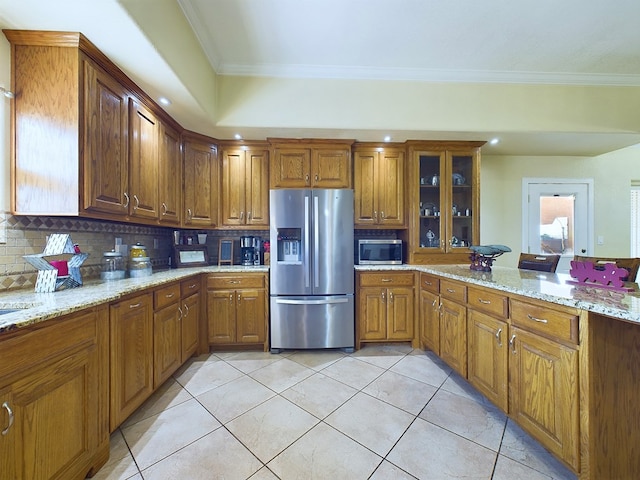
(379, 252)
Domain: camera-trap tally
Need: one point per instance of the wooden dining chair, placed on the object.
(539, 262)
(631, 264)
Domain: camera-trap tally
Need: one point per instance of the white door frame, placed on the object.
(526, 181)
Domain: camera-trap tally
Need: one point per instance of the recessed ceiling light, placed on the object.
(494, 141)
(164, 101)
(237, 136)
(387, 138)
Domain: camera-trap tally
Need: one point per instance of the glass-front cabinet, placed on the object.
(443, 187)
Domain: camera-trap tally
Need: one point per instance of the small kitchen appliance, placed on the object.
(379, 252)
(247, 250)
(257, 251)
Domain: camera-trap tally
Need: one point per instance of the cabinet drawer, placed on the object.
(552, 323)
(488, 301)
(235, 281)
(166, 296)
(453, 291)
(189, 287)
(429, 283)
(385, 279)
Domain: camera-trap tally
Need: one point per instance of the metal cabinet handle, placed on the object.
(512, 343)
(126, 197)
(231, 297)
(383, 296)
(451, 290)
(164, 208)
(135, 305)
(390, 297)
(241, 216)
(179, 314)
(317, 178)
(498, 337)
(6, 406)
(375, 215)
(239, 297)
(306, 178)
(248, 216)
(186, 313)
(428, 283)
(381, 215)
(169, 295)
(137, 205)
(539, 320)
(192, 286)
(386, 280)
(189, 214)
(485, 302)
(234, 281)
(435, 301)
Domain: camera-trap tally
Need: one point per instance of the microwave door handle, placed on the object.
(316, 243)
(307, 271)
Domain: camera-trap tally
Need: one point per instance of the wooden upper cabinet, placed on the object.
(379, 186)
(143, 162)
(170, 176)
(105, 163)
(245, 186)
(200, 183)
(311, 164)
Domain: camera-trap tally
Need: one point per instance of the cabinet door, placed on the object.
(8, 459)
(487, 356)
(169, 176)
(200, 184)
(105, 173)
(543, 392)
(390, 188)
(290, 168)
(372, 313)
(143, 162)
(257, 187)
(331, 168)
(400, 314)
(131, 326)
(221, 316)
(431, 201)
(364, 189)
(251, 316)
(463, 204)
(190, 319)
(453, 336)
(167, 343)
(234, 178)
(430, 320)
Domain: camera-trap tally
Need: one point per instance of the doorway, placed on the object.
(557, 218)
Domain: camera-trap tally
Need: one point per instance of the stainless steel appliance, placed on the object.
(246, 250)
(374, 252)
(311, 241)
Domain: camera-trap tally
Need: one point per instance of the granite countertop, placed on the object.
(37, 307)
(550, 287)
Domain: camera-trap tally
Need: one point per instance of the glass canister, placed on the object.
(112, 267)
(139, 267)
(138, 251)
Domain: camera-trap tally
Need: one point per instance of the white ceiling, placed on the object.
(542, 41)
(573, 42)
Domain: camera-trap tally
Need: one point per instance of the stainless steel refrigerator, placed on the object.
(312, 304)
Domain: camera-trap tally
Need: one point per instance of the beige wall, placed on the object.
(501, 196)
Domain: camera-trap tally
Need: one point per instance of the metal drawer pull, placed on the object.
(387, 280)
(428, 283)
(6, 406)
(485, 302)
(512, 343)
(539, 320)
(193, 285)
(451, 290)
(135, 305)
(169, 295)
(234, 281)
(498, 337)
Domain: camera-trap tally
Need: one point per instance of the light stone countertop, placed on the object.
(38, 307)
(550, 287)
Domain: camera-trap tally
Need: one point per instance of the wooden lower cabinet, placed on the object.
(131, 324)
(54, 400)
(487, 342)
(386, 307)
(453, 335)
(190, 317)
(167, 333)
(237, 309)
(430, 313)
(543, 392)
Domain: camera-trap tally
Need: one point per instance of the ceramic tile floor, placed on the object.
(384, 412)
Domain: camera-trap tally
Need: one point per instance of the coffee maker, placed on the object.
(258, 258)
(247, 250)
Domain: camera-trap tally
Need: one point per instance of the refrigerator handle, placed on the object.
(307, 271)
(316, 242)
